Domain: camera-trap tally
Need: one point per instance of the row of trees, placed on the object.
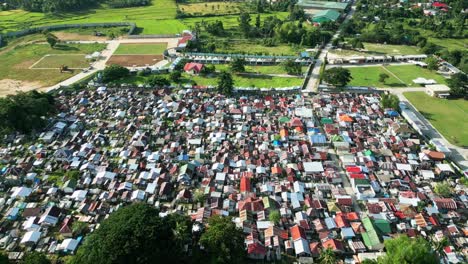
(25, 112)
(128, 3)
(55, 6)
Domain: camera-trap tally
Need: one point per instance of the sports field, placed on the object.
(141, 49)
(15, 64)
(447, 116)
(55, 61)
(399, 76)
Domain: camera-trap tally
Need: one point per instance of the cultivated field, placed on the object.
(15, 72)
(218, 8)
(141, 49)
(55, 61)
(135, 60)
(400, 75)
(447, 116)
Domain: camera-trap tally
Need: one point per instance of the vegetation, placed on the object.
(458, 85)
(158, 81)
(127, 3)
(51, 6)
(443, 189)
(51, 39)
(432, 63)
(274, 216)
(136, 234)
(25, 112)
(403, 249)
(383, 77)
(327, 256)
(338, 76)
(390, 101)
(223, 241)
(35, 258)
(407, 73)
(114, 72)
(445, 115)
(292, 67)
(225, 83)
(237, 65)
(141, 49)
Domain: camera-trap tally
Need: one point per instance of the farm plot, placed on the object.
(55, 61)
(135, 60)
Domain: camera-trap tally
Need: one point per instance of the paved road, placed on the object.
(312, 85)
(459, 155)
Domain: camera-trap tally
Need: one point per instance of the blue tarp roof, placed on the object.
(318, 139)
(392, 113)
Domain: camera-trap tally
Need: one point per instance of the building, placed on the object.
(193, 68)
(326, 16)
(438, 90)
(323, 5)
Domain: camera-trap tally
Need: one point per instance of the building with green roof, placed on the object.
(310, 4)
(370, 237)
(326, 16)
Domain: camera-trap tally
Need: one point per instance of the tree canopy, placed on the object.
(337, 76)
(390, 101)
(225, 83)
(237, 65)
(223, 241)
(403, 249)
(136, 234)
(458, 84)
(292, 67)
(35, 258)
(24, 112)
(159, 81)
(114, 72)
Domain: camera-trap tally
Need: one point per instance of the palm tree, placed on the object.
(439, 247)
(327, 256)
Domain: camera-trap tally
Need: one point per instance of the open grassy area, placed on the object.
(147, 17)
(246, 47)
(391, 49)
(207, 8)
(15, 63)
(261, 81)
(73, 61)
(447, 116)
(274, 69)
(141, 49)
(407, 73)
(369, 76)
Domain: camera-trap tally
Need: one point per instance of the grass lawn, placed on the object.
(450, 44)
(73, 61)
(252, 47)
(447, 116)
(141, 49)
(262, 81)
(15, 63)
(369, 76)
(217, 8)
(146, 17)
(391, 49)
(274, 69)
(407, 73)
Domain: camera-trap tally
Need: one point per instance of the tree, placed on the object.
(432, 63)
(337, 76)
(175, 76)
(225, 83)
(51, 39)
(403, 249)
(4, 259)
(274, 216)
(114, 72)
(327, 256)
(35, 258)
(208, 69)
(223, 241)
(136, 234)
(79, 228)
(458, 84)
(292, 67)
(390, 101)
(383, 77)
(158, 81)
(244, 23)
(237, 65)
(443, 189)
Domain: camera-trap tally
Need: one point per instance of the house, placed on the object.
(31, 237)
(50, 216)
(68, 245)
(438, 90)
(328, 15)
(193, 68)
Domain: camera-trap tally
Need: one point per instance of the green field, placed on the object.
(251, 47)
(369, 76)
(275, 69)
(15, 63)
(400, 75)
(407, 73)
(447, 116)
(147, 17)
(218, 8)
(391, 49)
(141, 49)
(262, 81)
(54, 61)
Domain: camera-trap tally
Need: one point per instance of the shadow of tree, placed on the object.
(65, 47)
(427, 115)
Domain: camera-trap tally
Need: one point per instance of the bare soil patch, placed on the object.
(135, 60)
(9, 86)
(67, 36)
